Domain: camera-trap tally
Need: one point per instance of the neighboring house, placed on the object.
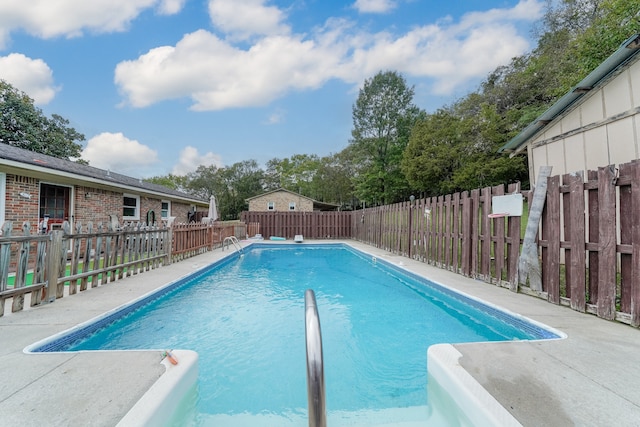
(596, 124)
(35, 186)
(284, 200)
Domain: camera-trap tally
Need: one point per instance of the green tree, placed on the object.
(333, 180)
(432, 154)
(383, 116)
(231, 186)
(25, 126)
(612, 23)
(294, 174)
(175, 182)
(244, 179)
(327, 179)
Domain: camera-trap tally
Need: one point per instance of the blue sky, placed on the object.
(162, 86)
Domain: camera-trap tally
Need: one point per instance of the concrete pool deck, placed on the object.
(588, 379)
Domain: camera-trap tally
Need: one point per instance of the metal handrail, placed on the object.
(315, 366)
(236, 244)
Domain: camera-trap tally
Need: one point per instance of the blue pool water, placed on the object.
(245, 318)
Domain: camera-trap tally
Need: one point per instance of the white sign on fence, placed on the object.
(510, 204)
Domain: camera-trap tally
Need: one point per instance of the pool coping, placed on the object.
(608, 393)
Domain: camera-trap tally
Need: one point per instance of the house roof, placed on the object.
(616, 62)
(17, 159)
(316, 204)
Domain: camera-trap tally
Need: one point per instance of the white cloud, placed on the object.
(275, 117)
(31, 76)
(190, 159)
(243, 19)
(216, 74)
(72, 18)
(116, 152)
(374, 6)
(171, 7)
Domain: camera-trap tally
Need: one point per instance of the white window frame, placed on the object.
(292, 206)
(271, 206)
(165, 214)
(3, 196)
(136, 216)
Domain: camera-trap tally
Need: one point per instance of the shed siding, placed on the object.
(595, 147)
(591, 135)
(593, 110)
(634, 70)
(574, 153)
(617, 95)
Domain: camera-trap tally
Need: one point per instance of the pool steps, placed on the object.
(232, 240)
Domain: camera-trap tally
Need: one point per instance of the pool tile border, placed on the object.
(538, 331)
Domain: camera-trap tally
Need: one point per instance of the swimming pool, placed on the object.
(248, 324)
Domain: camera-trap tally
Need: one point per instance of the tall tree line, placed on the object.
(396, 149)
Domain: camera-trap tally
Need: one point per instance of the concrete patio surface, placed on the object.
(591, 378)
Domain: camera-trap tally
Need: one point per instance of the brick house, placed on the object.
(34, 186)
(284, 200)
(595, 124)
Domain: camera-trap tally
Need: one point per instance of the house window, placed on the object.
(131, 207)
(292, 206)
(165, 211)
(55, 201)
(271, 206)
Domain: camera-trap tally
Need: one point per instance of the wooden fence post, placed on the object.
(513, 244)
(551, 238)
(498, 236)
(5, 259)
(21, 271)
(607, 242)
(53, 265)
(635, 256)
(576, 280)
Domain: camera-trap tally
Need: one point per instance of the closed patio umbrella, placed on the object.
(213, 209)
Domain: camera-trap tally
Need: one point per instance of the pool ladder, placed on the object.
(228, 241)
(315, 366)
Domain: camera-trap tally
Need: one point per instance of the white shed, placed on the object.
(596, 124)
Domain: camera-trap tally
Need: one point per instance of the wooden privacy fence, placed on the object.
(48, 266)
(453, 232)
(196, 238)
(595, 227)
(312, 225)
(588, 240)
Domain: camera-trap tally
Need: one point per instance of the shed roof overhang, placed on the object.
(627, 50)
